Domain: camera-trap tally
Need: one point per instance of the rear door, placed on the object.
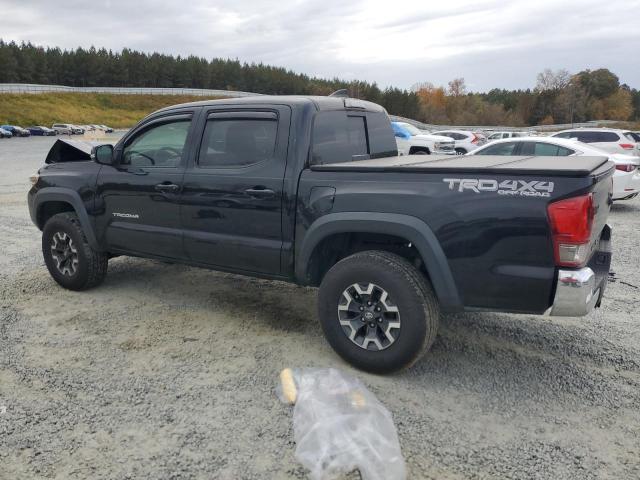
(233, 189)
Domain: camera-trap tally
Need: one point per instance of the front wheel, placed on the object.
(69, 258)
(377, 311)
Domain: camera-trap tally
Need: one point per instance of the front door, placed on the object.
(233, 189)
(138, 197)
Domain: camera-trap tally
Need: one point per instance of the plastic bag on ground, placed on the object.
(340, 426)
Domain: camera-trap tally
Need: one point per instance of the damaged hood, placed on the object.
(67, 150)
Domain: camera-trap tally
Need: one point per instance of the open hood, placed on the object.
(67, 150)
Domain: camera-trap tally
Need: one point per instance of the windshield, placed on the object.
(411, 129)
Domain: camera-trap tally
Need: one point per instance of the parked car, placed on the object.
(608, 139)
(626, 178)
(16, 130)
(311, 190)
(106, 129)
(63, 128)
(465, 141)
(77, 129)
(500, 135)
(5, 133)
(635, 136)
(413, 141)
(39, 130)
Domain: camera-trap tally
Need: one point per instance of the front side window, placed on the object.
(495, 136)
(506, 148)
(157, 146)
(237, 142)
(338, 137)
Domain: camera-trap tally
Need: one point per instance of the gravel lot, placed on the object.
(167, 371)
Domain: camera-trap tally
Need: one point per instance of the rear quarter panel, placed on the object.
(497, 246)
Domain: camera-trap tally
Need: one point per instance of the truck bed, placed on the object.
(491, 164)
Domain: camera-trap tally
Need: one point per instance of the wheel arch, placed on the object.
(53, 200)
(419, 148)
(404, 227)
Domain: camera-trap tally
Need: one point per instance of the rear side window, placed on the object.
(237, 142)
(594, 137)
(338, 137)
(634, 137)
(382, 142)
(500, 149)
(549, 150)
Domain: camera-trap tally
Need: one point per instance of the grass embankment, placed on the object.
(117, 111)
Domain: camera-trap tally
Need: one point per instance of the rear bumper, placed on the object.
(580, 291)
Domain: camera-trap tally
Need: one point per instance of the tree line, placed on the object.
(557, 98)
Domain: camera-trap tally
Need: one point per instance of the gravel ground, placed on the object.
(167, 371)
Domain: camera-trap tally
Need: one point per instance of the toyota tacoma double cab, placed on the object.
(311, 190)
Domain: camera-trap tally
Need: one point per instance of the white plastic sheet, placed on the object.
(340, 426)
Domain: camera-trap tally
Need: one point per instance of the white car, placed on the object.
(608, 139)
(501, 135)
(412, 141)
(465, 141)
(626, 178)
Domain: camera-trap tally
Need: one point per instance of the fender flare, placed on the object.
(58, 194)
(411, 228)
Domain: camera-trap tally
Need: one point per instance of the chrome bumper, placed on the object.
(576, 293)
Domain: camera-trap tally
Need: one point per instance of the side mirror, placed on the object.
(102, 154)
(401, 135)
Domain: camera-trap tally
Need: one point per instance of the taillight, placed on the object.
(475, 138)
(626, 168)
(571, 222)
(627, 146)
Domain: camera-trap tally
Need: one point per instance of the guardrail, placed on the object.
(491, 128)
(35, 89)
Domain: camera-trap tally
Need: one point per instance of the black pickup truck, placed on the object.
(311, 190)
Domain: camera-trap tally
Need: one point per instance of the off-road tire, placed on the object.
(411, 293)
(91, 265)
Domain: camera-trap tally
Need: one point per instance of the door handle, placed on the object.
(167, 187)
(260, 192)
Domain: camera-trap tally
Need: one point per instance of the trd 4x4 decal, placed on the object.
(524, 188)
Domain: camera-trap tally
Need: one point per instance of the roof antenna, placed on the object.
(343, 93)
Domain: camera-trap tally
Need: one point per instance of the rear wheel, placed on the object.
(69, 258)
(460, 151)
(377, 311)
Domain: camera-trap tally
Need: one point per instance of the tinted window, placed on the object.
(592, 137)
(500, 149)
(382, 142)
(338, 137)
(237, 142)
(158, 146)
(564, 135)
(547, 149)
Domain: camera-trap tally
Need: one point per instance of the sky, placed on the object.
(491, 44)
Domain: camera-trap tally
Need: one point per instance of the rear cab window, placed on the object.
(345, 136)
